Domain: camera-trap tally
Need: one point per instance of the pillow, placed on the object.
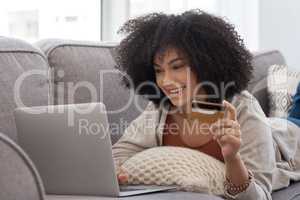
(189, 169)
(282, 86)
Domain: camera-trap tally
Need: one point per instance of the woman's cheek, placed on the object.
(159, 81)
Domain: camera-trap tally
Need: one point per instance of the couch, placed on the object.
(59, 62)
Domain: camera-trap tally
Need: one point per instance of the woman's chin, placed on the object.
(177, 102)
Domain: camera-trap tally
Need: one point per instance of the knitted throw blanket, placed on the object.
(189, 169)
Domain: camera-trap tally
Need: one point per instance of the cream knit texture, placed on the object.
(189, 169)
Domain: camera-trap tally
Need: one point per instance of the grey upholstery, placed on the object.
(258, 85)
(73, 62)
(19, 180)
(16, 59)
(82, 63)
(290, 193)
(157, 196)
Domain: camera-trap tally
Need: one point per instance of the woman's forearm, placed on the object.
(236, 170)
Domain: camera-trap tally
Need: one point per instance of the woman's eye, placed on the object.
(157, 71)
(178, 66)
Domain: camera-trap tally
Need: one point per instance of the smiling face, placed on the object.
(175, 77)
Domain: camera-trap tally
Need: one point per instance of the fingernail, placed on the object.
(223, 102)
(122, 175)
(123, 179)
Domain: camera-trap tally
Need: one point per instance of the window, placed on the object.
(139, 7)
(97, 20)
(116, 12)
(33, 20)
(242, 14)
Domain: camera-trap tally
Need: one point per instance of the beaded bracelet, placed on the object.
(233, 189)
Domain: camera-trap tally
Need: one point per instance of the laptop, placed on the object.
(71, 148)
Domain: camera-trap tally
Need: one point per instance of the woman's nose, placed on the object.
(167, 78)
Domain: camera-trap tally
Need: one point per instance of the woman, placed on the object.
(173, 59)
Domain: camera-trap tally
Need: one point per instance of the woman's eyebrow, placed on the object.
(174, 60)
(170, 62)
(156, 65)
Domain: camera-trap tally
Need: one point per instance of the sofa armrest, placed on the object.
(19, 178)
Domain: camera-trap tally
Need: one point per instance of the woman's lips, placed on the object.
(175, 91)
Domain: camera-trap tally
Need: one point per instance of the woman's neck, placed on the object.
(182, 110)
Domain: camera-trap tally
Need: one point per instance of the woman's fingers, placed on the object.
(225, 123)
(229, 144)
(223, 127)
(230, 111)
(227, 132)
(217, 134)
(122, 176)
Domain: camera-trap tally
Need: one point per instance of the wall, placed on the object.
(279, 28)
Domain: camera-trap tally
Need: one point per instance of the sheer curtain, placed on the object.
(33, 20)
(242, 14)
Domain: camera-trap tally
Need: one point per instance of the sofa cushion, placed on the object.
(19, 178)
(189, 169)
(282, 86)
(90, 68)
(258, 84)
(25, 67)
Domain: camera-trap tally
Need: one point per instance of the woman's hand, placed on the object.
(122, 176)
(227, 133)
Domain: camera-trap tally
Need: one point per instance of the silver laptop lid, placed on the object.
(71, 147)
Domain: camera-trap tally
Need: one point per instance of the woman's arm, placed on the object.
(139, 135)
(227, 132)
(255, 154)
(236, 171)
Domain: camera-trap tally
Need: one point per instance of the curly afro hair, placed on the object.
(212, 46)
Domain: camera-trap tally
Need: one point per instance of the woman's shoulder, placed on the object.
(248, 107)
(150, 111)
(246, 100)
(243, 97)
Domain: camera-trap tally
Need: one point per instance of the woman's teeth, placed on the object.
(176, 91)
